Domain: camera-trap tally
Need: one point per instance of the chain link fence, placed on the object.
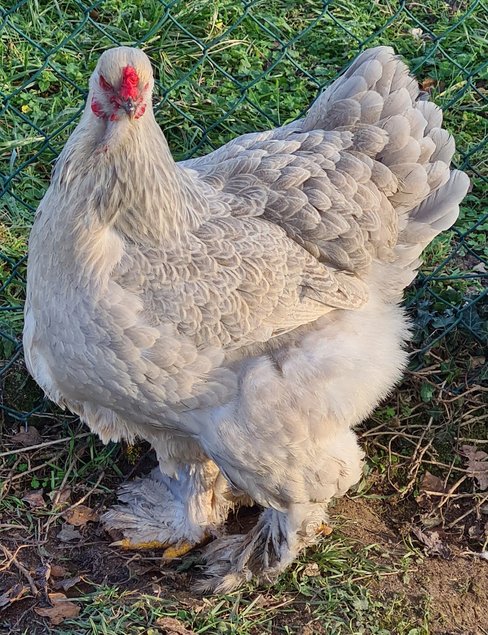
(225, 68)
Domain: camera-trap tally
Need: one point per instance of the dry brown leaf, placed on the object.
(80, 515)
(41, 577)
(428, 83)
(432, 543)
(312, 570)
(477, 465)
(35, 499)
(58, 571)
(27, 437)
(315, 628)
(68, 533)
(67, 583)
(431, 483)
(61, 497)
(172, 626)
(139, 569)
(430, 519)
(478, 531)
(61, 609)
(426, 499)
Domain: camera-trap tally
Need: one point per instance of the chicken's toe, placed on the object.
(324, 530)
(181, 548)
(129, 545)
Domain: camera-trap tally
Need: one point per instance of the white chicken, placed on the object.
(240, 311)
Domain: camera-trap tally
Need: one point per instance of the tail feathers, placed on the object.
(433, 215)
(440, 209)
(444, 145)
(432, 114)
(401, 139)
(378, 101)
(376, 85)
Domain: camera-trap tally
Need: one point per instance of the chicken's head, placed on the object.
(121, 85)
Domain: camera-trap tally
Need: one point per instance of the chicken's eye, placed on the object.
(104, 84)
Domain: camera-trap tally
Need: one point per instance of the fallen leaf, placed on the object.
(61, 609)
(67, 583)
(478, 361)
(58, 571)
(427, 84)
(60, 497)
(15, 593)
(35, 499)
(312, 570)
(477, 532)
(172, 626)
(27, 437)
(68, 533)
(477, 465)
(41, 576)
(480, 268)
(429, 486)
(139, 569)
(80, 515)
(430, 519)
(313, 628)
(432, 543)
(431, 483)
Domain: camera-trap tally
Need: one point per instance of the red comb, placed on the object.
(130, 83)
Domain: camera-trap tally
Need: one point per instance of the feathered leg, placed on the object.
(263, 553)
(175, 512)
(279, 536)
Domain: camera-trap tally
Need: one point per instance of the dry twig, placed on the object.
(12, 559)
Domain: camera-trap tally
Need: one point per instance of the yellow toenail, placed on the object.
(324, 529)
(178, 550)
(139, 546)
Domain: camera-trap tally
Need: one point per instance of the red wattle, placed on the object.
(140, 111)
(97, 109)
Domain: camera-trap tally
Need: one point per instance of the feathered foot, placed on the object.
(175, 514)
(264, 552)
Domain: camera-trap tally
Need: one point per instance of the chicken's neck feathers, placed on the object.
(123, 176)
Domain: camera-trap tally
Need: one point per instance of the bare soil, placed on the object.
(456, 589)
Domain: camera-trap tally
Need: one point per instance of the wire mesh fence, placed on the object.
(225, 68)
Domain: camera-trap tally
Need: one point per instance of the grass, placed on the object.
(225, 68)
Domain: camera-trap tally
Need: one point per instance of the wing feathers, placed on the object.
(298, 214)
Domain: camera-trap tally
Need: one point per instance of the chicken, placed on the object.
(239, 311)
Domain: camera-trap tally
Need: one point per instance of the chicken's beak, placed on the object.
(129, 107)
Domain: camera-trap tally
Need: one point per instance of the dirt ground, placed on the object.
(456, 588)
